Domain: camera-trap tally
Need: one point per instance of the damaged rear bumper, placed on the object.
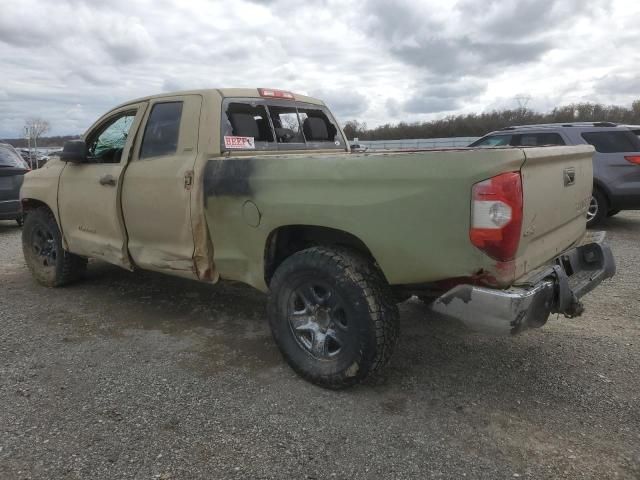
(556, 288)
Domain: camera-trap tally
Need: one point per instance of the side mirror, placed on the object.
(74, 151)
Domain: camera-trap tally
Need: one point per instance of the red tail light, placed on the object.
(496, 215)
(271, 93)
(633, 159)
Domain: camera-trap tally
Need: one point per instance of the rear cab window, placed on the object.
(262, 124)
(613, 141)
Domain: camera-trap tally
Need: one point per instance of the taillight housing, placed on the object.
(633, 159)
(273, 93)
(496, 216)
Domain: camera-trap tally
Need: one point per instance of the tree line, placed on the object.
(56, 141)
(478, 124)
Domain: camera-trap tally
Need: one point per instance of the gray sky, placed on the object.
(69, 61)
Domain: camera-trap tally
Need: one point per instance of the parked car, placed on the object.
(616, 163)
(12, 170)
(34, 159)
(258, 186)
(357, 148)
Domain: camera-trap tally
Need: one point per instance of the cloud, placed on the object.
(69, 61)
(471, 37)
(617, 84)
(431, 97)
(345, 104)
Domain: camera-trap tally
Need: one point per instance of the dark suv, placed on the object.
(616, 162)
(12, 170)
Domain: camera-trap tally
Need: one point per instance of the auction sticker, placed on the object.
(239, 142)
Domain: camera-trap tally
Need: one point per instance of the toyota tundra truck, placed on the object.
(259, 186)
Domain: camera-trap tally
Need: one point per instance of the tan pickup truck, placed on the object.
(259, 186)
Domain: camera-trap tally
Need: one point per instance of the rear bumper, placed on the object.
(10, 209)
(556, 288)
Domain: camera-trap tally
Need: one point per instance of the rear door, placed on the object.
(556, 184)
(156, 195)
(89, 192)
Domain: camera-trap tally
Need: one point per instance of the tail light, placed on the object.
(496, 216)
(279, 94)
(633, 159)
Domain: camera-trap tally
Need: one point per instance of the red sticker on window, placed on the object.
(239, 142)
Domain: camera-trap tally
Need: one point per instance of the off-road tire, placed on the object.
(371, 315)
(602, 209)
(61, 267)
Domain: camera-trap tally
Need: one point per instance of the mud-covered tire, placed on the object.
(48, 262)
(354, 308)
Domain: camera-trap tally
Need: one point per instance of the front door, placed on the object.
(89, 192)
(156, 193)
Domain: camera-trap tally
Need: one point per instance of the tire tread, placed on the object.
(382, 309)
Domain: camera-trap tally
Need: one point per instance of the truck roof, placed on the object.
(224, 93)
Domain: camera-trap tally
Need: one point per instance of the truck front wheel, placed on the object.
(332, 316)
(49, 263)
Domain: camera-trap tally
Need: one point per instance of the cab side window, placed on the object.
(162, 131)
(107, 144)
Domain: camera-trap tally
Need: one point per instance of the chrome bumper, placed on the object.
(556, 288)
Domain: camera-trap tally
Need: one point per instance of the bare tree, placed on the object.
(34, 128)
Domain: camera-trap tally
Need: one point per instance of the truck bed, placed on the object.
(410, 208)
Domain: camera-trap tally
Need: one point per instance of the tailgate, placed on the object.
(557, 184)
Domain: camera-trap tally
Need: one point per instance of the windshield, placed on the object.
(9, 158)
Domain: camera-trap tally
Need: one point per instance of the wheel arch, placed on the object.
(286, 240)
(33, 203)
(602, 188)
(30, 204)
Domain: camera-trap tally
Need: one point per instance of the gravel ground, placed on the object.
(138, 375)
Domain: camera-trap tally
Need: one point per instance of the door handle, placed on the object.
(108, 180)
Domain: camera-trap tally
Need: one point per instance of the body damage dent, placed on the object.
(203, 263)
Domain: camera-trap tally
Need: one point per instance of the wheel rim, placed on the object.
(44, 247)
(318, 320)
(593, 208)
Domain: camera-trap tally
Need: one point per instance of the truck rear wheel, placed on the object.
(49, 263)
(332, 316)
